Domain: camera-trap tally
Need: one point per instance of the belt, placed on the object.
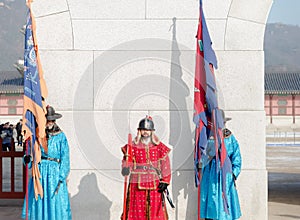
(51, 159)
(145, 168)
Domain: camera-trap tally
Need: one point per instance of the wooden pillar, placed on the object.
(271, 112)
(293, 108)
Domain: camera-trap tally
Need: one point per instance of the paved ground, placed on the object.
(10, 209)
(283, 164)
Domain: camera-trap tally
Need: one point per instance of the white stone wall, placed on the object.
(108, 63)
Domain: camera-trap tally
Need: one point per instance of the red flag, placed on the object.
(207, 116)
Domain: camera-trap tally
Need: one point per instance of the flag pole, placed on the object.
(125, 184)
(199, 189)
(35, 91)
(128, 159)
(199, 101)
(26, 152)
(26, 181)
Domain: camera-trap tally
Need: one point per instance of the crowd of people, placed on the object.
(11, 134)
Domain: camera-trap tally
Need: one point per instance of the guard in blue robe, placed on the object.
(54, 169)
(212, 200)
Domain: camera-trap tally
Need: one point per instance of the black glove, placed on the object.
(162, 187)
(125, 171)
(58, 185)
(27, 159)
(234, 179)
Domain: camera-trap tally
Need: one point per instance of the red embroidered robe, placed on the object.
(150, 166)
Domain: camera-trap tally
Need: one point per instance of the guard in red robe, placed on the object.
(150, 175)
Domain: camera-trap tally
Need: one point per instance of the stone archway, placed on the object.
(73, 34)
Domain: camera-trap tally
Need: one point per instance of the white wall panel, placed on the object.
(65, 72)
(239, 85)
(244, 35)
(107, 9)
(250, 10)
(54, 32)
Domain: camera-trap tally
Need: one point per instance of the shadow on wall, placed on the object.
(181, 136)
(97, 207)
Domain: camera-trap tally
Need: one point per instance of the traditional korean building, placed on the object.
(11, 95)
(282, 106)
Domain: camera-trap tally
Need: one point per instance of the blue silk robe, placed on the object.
(211, 185)
(53, 206)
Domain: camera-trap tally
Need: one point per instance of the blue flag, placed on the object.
(34, 120)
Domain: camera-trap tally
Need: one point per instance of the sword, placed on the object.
(167, 194)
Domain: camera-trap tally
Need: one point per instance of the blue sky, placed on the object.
(285, 11)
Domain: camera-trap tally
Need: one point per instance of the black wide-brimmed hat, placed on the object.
(51, 115)
(223, 115)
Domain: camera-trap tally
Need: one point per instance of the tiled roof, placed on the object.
(282, 83)
(11, 82)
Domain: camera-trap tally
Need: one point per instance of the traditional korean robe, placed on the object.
(150, 166)
(212, 206)
(53, 206)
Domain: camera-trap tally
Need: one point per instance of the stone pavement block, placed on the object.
(11, 209)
